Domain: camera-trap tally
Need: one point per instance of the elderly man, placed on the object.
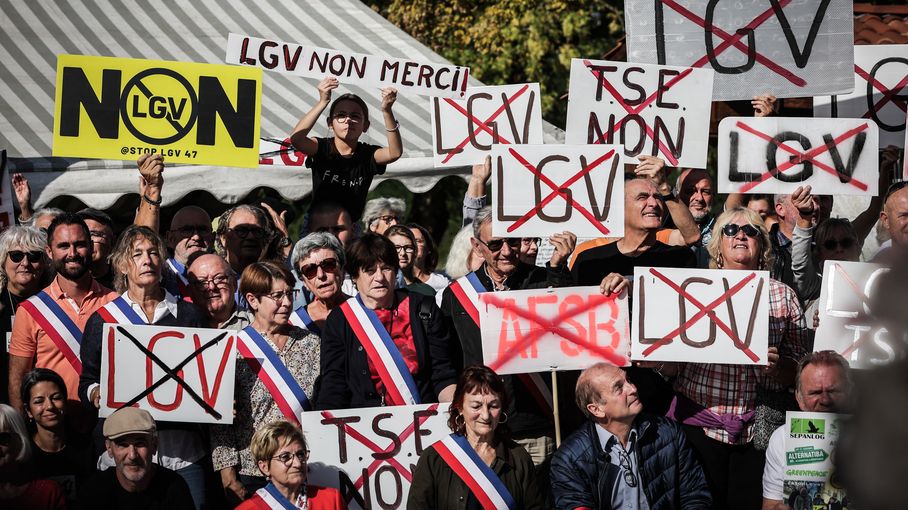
(623, 458)
(242, 236)
(894, 218)
(823, 386)
(212, 286)
(130, 436)
(190, 232)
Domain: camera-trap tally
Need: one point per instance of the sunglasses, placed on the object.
(495, 245)
(327, 265)
(731, 230)
(831, 244)
(33, 256)
(244, 232)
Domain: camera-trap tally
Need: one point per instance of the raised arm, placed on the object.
(23, 194)
(654, 169)
(151, 181)
(395, 147)
(475, 197)
(300, 136)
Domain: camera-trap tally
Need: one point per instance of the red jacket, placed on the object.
(320, 498)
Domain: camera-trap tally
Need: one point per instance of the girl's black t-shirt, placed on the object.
(344, 180)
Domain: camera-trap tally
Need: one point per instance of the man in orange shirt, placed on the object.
(48, 326)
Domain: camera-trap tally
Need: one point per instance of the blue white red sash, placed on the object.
(272, 498)
(301, 319)
(287, 393)
(467, 289)
(62, 331)
(178, 270)
(384, 354)
(482, 481)
(118, 311)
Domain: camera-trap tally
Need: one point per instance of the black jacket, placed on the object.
(345, 379)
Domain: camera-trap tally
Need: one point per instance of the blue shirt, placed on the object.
(623, 495)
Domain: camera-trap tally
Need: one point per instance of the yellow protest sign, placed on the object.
(121, 108)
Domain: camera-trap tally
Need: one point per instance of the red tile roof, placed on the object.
(880, 24)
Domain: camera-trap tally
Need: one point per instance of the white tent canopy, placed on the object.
(35, 32)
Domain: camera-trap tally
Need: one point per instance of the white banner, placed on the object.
(464, 130)
(370, 454)
(652, 110)
(700, 316)
(778, 154)
(789, 49)
(278, 151)
(407, 76)
(528, 181)
(880, 92)
(176, 374)
(540, 330)
(847, 324)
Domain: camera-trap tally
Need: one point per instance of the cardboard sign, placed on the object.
(778, 154)
(847, 324)
(880, 92)
(407, 76)
(464, 130)
(810, 440)
(370, 454)
(7, 214)
(121, 108)
(277, 151)
(176, 374)
(546, 189)
(700, 316)
(652, 110)
(780, 47)
(525, 331)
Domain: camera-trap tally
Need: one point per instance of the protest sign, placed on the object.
(176, 374)
(464, 130)
(847, 323)
(407, 76)
(778, 154)
(121, 108)
(370, 454)
(7, 215)
(780, 47)
(539, 330)
(547, 189)
(722, 316)
(652, 110)
(279, 151)
(809, 444)
(880, 92)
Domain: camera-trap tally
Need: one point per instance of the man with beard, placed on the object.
(48, 326)
(130, 435)
(695, 190)
(212, 285)
(190, 232)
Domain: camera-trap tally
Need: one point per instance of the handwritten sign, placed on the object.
(538, 330)
(176, 374)
(778, 154)
(370, 454)
(701, 316)
(464, 130)
(121, 108)
(408, 76)
(7, 215)
(789, 49)
(279, 151)
(547, 189)
(880, 92)
(847, 323)
(652, 110)
(809, 471)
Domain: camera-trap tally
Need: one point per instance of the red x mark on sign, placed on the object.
(704, 311)
(888, 94)
(482, 125)
(729, 40)
(865, 300)
(368, 443)
(557, 191)
(800, 157)
(635, 111)
(553, 326)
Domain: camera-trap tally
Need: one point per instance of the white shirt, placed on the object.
(773, 470)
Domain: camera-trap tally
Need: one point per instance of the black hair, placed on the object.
(97, 215)
(40, 375)
(65, 219)
(369, 250)
(350, 97)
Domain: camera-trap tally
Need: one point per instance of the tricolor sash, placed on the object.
(268, 367)
(61, 330)
(481, 480)
(118, 311)
(272, 498)
(178, 272)
(384, 354)
(301, 319)
(467, 289)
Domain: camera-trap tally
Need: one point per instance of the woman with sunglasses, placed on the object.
(385, 346)
(728, 411)
(319, 261)
(276, 380)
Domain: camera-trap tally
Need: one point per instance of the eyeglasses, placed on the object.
(243, 232)
(278, 296)
(311, 270)
(191, 230)
(100, 234)
(732, 229)
(287, 458)
(33, 256)
(531, 240)
(629, 477)
(831, 244)
(218, 280)
(352, 118)
(388, 218)
(404, 249)
(495, 245)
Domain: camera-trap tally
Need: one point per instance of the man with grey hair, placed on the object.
(212, 287)
(382, 213)
(622, 458)
(43, 217)
(823, 385)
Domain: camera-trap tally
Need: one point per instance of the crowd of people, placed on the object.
(356, 313)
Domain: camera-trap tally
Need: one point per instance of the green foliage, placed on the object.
(513, 41)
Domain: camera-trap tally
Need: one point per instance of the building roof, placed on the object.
(880, 24)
